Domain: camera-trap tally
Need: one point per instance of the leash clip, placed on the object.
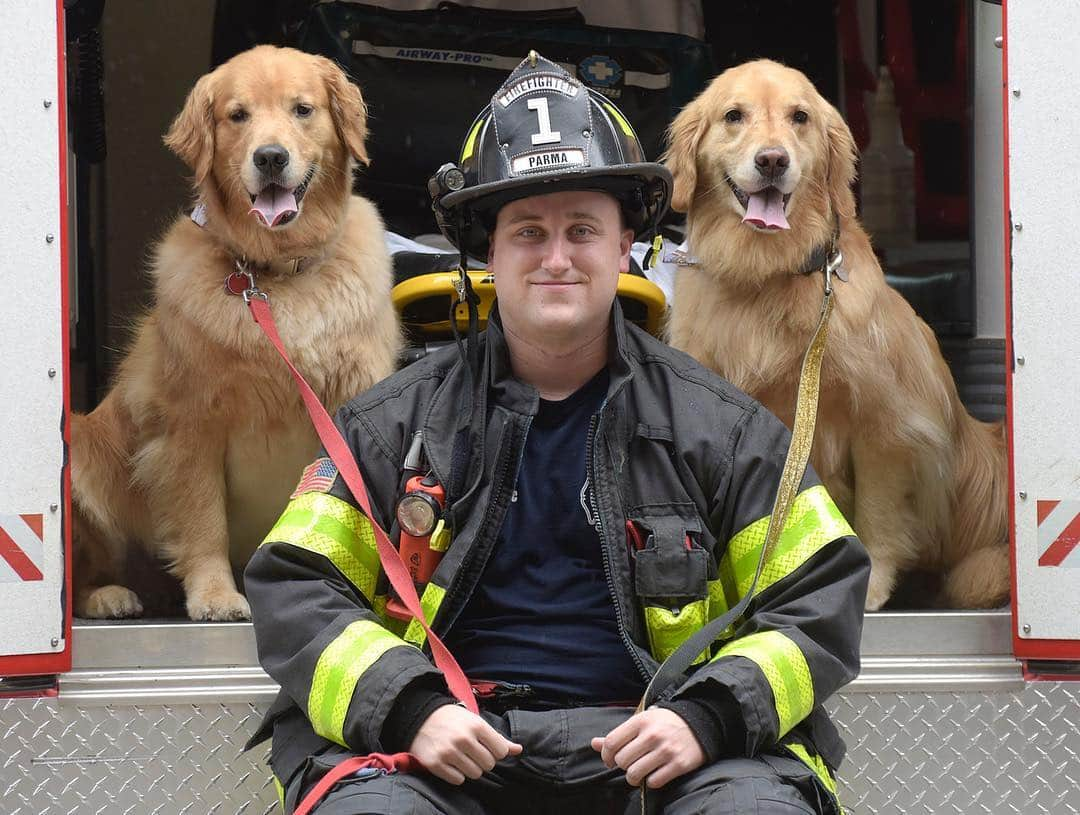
(241, 276)
(833, 265)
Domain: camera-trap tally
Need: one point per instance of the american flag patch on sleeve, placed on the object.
(317, 477)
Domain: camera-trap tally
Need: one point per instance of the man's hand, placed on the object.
(655, 744)
(454, 744)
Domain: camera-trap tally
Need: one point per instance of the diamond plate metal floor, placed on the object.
(984, 753)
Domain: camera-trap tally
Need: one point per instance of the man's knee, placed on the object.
(743, 786)
(395, 794)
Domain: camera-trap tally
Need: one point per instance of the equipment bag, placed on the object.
(426, 74)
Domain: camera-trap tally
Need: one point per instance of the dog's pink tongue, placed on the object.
(765, 209)
(273, 204)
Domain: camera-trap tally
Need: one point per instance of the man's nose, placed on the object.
(772, 162)
(270, 159)
(557, 254)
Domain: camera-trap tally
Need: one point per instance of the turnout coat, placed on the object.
(692, 461)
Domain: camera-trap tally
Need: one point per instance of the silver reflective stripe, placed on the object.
(638, 79)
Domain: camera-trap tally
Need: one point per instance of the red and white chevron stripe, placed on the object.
(22, 550)
(1059, 533)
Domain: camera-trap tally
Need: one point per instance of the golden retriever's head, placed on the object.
(761, 151)
(271, 132)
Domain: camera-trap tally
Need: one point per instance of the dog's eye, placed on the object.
(303, 111)
(733, 115)
(800, 117)
(238, 115)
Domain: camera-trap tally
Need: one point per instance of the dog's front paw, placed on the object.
(111, 603)
(882, 579)
(221, 605)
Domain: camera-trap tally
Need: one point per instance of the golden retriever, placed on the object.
(194, 450)
(764, 166)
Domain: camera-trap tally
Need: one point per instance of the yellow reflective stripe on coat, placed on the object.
(815, 763)
(339, 668)
(785, 669)
(813, 522)
(333, 528)
(430, 601)
(668, 629)
(280, 793)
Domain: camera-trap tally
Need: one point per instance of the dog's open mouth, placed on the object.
(276, 205)
(765, 209)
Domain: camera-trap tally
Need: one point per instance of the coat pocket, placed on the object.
(670, 576)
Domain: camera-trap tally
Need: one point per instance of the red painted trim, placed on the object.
(1059, 650)
(59, 662)
(1022, 648)
(1009, 355)
(34, 664)
(30, 694)
(64, 662)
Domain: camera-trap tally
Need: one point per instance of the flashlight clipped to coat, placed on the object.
(424, 537)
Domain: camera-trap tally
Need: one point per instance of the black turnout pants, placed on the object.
(559, 773)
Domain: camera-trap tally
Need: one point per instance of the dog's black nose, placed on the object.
(270, 158)
(772, 161)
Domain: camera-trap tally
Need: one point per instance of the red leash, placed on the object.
(396, 571)
(398, 762)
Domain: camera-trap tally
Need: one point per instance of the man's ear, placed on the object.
(683, 138)
(626, 243)
(347, 108)
(840, 171)
(191, 135)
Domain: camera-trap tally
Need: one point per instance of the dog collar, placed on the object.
(827, 258)
(288, 267)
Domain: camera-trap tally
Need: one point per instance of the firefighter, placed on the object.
(601, 497)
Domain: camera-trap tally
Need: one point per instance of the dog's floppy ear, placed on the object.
(347, 108)
(840, 172)
(683, 138)
(191, 135)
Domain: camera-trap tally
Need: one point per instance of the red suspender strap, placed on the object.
(392, 564)
(398, 762)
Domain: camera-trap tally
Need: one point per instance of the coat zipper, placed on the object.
(499, 490)
(594, 430)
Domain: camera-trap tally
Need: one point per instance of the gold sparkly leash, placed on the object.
(802, 439)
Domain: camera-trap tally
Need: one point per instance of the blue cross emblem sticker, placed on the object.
(600, 71)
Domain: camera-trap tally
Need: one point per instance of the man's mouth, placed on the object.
(765, 209)
(276, 205)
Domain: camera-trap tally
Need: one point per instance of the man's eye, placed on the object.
(303, 111)
(238, 115)
(581, 231)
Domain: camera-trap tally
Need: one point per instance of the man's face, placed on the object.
(556, 260)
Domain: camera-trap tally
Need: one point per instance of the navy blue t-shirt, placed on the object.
(542, 613)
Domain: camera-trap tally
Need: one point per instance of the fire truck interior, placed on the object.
(953, 711)
(907, 65)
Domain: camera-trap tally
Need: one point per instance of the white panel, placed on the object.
(31, 402)
(1044, 176)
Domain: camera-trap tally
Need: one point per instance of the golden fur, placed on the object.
(923, 483)
(196, 447)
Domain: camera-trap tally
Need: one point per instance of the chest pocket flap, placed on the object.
(669, 570)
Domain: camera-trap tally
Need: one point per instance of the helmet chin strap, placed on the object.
(472, 420)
